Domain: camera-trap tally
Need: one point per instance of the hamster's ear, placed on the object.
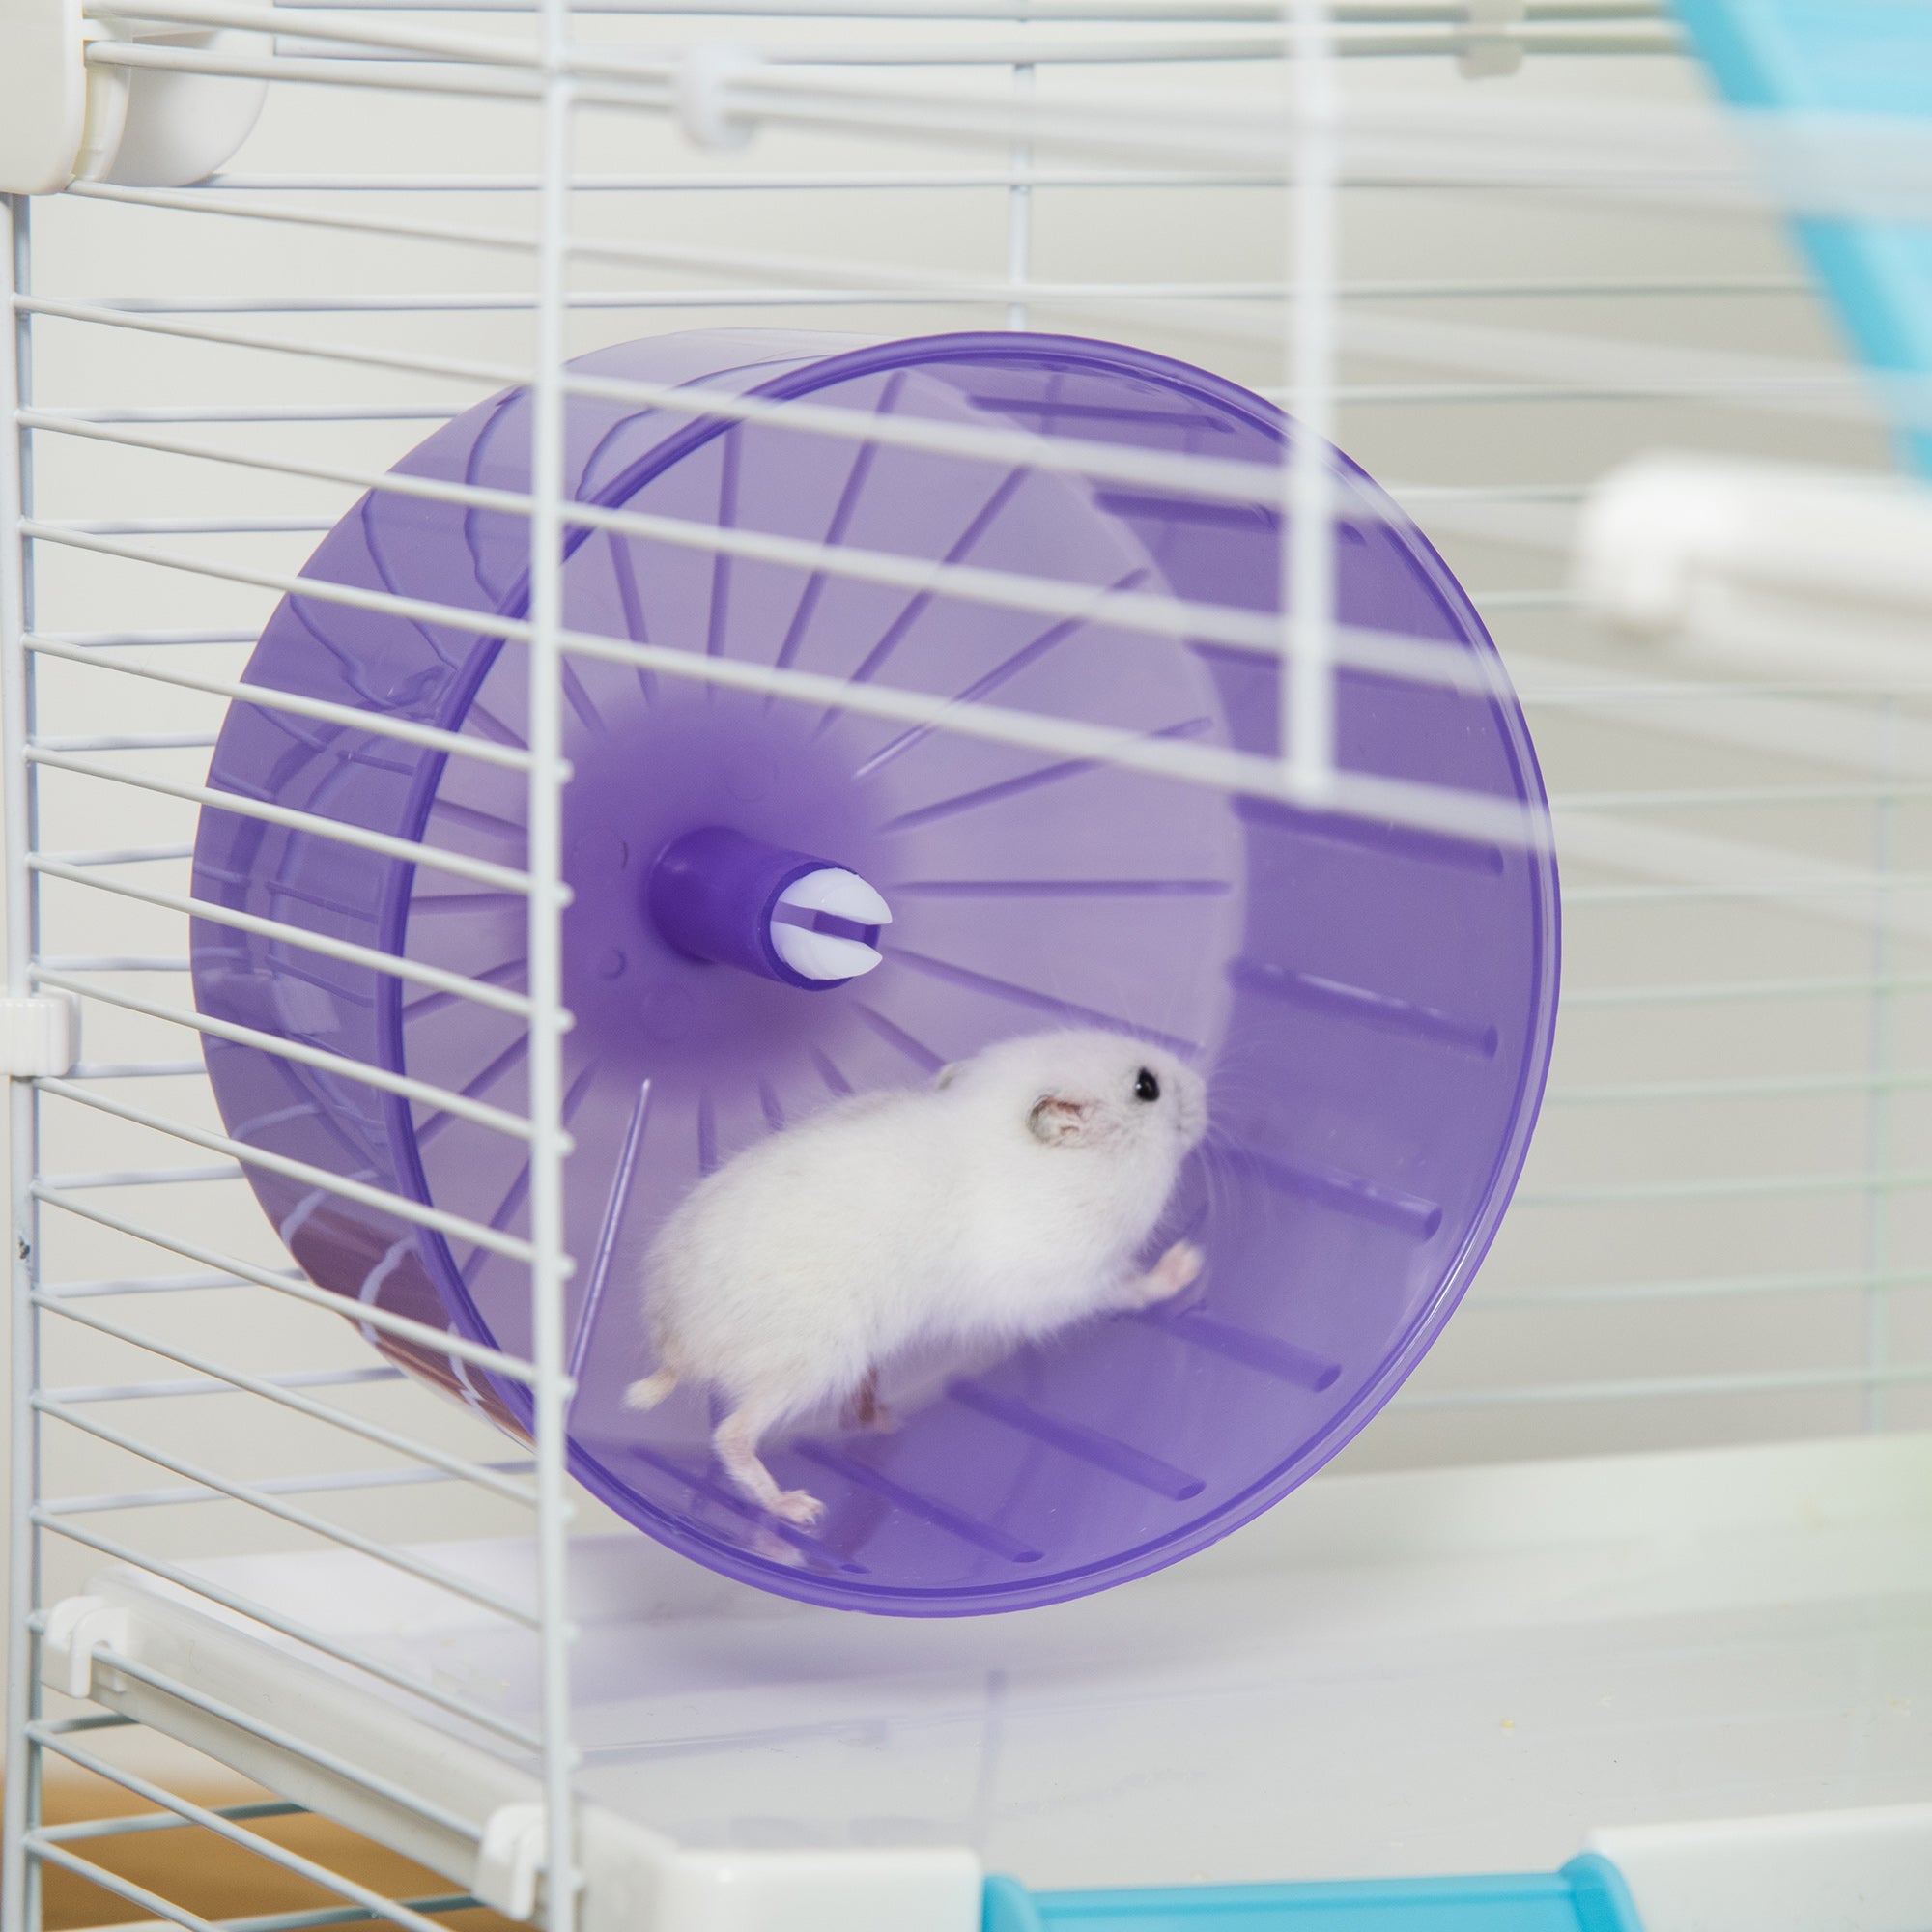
(1059, 1122)
(948, 1074)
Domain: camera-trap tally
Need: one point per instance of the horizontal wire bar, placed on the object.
(467, 1709)
(1426, 807)
(163, 741)
(1695, 1287)
(95, 640)
(418, 1212)
(1434, 808)
(213, 1383)
(467, 81)
(121, 855)
(1876, 792)
(120, 1888)
(1079, 294)
(362, 1313)
(140, 1177)
(497, 1120)
(236, 1834)
(191, 527)
(113, 963)
(1104, 12)
(136, 1070)
(300, 936)
(1788, 1086)
(283, 1391)
(341, 1483)
(341, 1915)
(750, 181)
(1730, 991)
(1398, 653)
(1798, 887)
(150, 1284)
(161, 1821)
(455, 745)
(1643, 1389)
(409, 851)
(255, 1497)
(95, 1721)
(1748, 1187)
(1197, 475)
(1393, 654)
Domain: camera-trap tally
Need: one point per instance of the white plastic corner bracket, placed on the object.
(703, 77)
(510, 1859)
(63, 119)
(76, 1628)
(1491, 47)
(40, 1033)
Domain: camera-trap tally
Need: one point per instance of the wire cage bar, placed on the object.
(1744, 833)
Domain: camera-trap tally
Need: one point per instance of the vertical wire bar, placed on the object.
(1019, 199)
(19, 1875)
(546, 973)
(1879, 1062)
(1308, 555)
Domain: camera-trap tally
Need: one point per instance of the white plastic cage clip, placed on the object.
(1489, 48)
(39, 1034)
(76, 1628)
(510, 1859)
(65, 117)
(705, 74)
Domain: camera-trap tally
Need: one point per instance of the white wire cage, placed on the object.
(1394, 219)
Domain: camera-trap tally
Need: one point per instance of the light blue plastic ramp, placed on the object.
(1835, 58)
(1587, 1895)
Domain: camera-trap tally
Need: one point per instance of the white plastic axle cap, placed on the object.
(827, 955)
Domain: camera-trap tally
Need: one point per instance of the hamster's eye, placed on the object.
(1146, 1086)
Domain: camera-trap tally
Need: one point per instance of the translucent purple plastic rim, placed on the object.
(1376, 1003)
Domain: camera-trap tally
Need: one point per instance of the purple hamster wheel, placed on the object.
(1376, 1004)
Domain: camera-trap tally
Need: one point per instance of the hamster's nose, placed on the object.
(720, 895)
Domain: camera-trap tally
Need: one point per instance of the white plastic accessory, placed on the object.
(1491, 47)
(706, 71)
(509, 1860)
(76, 1628)
(40, 1033)
(1766, 564)
(66, 118)
(824, 956)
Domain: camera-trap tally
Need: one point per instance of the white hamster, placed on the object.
(1006, 1201)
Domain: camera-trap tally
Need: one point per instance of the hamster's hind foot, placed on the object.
(1176, 1269)
(651, 1391)
(736, 1441)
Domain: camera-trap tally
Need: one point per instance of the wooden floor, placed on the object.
(196, 1869)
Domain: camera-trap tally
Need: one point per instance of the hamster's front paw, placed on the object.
(799, 1506)
(1178, 1269)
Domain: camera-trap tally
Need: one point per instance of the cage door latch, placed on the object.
(40, 1033)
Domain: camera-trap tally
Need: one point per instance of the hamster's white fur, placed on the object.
(1006, 1201)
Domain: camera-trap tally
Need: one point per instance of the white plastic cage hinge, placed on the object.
(40, 1033)
(63, 117)
(703, 77)
(76, 1628)
(1489, 48)
(511, 1857)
